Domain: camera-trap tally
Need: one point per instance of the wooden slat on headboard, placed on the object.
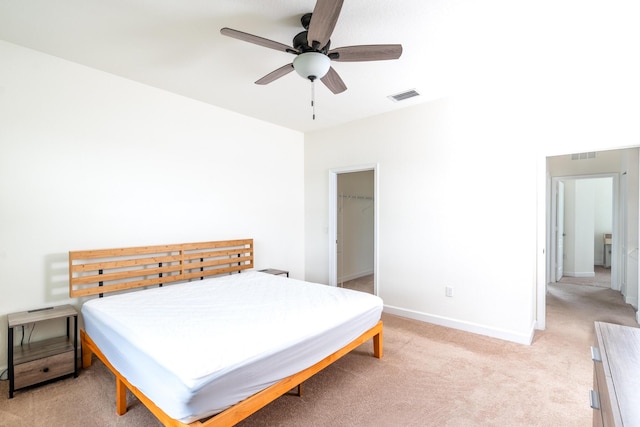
(100, 271)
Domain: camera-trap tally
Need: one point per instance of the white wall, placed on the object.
(582, 229)
(448, 216)
(89, 160)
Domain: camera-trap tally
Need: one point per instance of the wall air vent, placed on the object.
(583, 156)
(403, 95)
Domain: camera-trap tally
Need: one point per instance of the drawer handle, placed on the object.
(595, 354)
(594, 400)
(45, 370)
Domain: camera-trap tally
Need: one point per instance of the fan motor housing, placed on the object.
(301, 44)
(301, 41)
(305, 20)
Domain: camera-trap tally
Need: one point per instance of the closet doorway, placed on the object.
(353, 228)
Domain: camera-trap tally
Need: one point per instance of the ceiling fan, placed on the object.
(312, 48)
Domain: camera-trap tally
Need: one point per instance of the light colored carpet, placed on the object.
(429, 376)
(601, 278)
(362, 284)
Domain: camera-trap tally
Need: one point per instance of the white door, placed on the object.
(559, 230)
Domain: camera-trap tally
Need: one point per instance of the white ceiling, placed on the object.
(177, 46)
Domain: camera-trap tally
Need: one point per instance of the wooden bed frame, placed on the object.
(95, 272)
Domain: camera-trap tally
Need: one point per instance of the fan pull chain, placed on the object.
(313, 99)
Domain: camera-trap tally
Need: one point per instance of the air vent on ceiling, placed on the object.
(583, 156)
(404, 95)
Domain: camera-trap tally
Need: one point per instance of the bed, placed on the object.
(205, 340)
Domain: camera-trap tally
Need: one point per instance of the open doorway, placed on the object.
(583, 220)
(355, 230)
(352, 226)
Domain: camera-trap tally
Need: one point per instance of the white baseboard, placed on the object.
(502, 334)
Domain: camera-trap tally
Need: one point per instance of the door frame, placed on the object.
(333, 220)
(543, 247)
(557, 207)
(615, 224)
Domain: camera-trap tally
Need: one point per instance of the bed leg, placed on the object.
(377, 345)
(85, 351)
(86, 358)
(121, 397)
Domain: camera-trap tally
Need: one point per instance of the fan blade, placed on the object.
(323, 20)
(276, 74)
(374, 52)
(256, 40)
(333, 81)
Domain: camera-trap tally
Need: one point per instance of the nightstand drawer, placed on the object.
(44, 369)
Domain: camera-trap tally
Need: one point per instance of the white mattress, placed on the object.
(197, 348)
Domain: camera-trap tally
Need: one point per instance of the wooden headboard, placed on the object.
(101, 271)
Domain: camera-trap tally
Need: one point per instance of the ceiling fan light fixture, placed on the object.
(312, 65)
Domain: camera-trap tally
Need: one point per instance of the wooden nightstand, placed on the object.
(33, 363)
(275, 272)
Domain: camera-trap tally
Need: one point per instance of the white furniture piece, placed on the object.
(33, 363)
(616, 375)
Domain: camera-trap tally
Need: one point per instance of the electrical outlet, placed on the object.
(448, 291)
